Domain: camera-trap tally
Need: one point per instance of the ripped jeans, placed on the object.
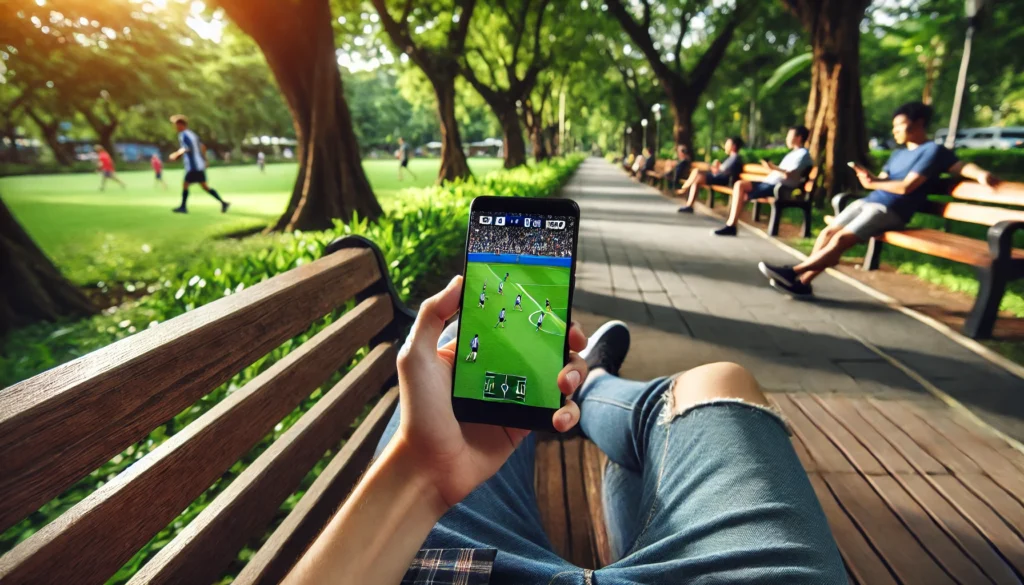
(714, 494)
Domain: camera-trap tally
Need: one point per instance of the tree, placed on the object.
(436, 50)
(298, 42)
(508, 66)
(835, 111)
(683, 88)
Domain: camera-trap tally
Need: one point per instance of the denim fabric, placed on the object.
(713, 495)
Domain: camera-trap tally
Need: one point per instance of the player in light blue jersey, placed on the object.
(483, 299)
(193, 154)
(519, 303)
(474, 345)
(540, 321)
(501, 319)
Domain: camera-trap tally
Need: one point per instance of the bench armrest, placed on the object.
(842, 201)
(1000, 239)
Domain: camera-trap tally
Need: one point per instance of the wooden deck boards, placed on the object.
(914, 492)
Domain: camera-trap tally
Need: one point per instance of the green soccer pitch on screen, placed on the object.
(514, 308)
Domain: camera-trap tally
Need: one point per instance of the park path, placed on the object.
(690, 298)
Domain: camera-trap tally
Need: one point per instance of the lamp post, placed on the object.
(711, 129)
(971, 7)
(656, 108)
(629, 135)
(643, 141)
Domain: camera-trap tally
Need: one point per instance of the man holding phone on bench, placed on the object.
(909, 176)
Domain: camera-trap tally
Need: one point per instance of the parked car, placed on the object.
(993, 137)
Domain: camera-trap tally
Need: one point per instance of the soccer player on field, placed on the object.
(195, 163)
(506, 277)
(483, 298)
(105, 164)
(540, 321)
(547, 305)
(501, 287)
(485, 286)
(519, 303)
(158, 169)
(474, 345)
(501, 319)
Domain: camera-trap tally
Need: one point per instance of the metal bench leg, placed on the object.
(711, 198)
(874, 255)
(775, 219)
(986, 307)
(807, 219)
(757, 211)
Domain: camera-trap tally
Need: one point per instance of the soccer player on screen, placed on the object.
(501, 287)
(540, 321)
(501, 319)
(506, 277)
(519, 303)
(483, 298)
(547, 305)
(474, 345)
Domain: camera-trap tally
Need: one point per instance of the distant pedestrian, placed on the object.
(158, 169)
(261, 161)
(105, 165)
(194, 153)
(402, 154)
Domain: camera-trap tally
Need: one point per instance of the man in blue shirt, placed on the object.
(790, 173)
(911, 174)
(193, 154)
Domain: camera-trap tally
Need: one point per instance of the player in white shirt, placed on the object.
(474, 345)
(501, 287)
(261, 161)
(540, 321)
(501, 319)
(483, 298)
(193, 154)
(519, 303)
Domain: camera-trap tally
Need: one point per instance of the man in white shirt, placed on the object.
(790, 172)
(193, 154)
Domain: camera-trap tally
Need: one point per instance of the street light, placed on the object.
(629, 132)
(711, 129)
(971, 7)
(643, 141)
(656, 108)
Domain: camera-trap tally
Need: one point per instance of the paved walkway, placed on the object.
(691, 298)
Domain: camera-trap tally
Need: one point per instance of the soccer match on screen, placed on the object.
(515, 308)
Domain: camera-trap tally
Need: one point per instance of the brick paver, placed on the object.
(690, 298)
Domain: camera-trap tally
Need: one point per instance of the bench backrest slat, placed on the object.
(79, 547)
(1004, 194)
(978, 214)
(202, 552)
(59, 426)
(310, 515)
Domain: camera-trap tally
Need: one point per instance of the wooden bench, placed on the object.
(661, 171)
(996, 260)
(58, 427)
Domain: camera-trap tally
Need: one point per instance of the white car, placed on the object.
(992, 137)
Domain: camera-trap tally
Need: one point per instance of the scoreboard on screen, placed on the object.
(504, 387)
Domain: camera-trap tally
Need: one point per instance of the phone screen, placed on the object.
(515, 308)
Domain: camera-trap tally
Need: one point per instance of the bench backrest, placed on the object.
(756, 172)
(664, 165)
(1006, 194)
(61, 425)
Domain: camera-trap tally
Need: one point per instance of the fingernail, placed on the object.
(565, 418)
(574, 378)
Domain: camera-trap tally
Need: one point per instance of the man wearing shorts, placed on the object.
(106, 167)
(789, 173)
(193, 153)
(403, 157)
(910, 175)
(158, 170)
(722, 174)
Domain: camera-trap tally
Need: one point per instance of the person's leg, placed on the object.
(184, 197)
(501, 513)
(118, 180)
(103, 181)
(723, 498)
(213, 192)
(740, 189)
(694, 174)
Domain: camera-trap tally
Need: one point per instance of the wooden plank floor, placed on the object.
(914, 493)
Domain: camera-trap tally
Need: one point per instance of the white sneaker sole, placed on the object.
(592, 340)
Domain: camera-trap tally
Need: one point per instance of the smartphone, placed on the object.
(513, 339)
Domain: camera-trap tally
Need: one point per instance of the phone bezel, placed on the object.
(504, 414)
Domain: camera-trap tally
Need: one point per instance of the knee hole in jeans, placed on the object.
(714, 382)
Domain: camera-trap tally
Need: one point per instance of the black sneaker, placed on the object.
(179, 210)
(224, 207)
(780, 273)
(686, 209)
(729, 230)
(607, 347)
(797, 289)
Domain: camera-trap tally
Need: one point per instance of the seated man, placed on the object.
(682, 168)
(722, 174)
(789, 173)
(910, 175)
(703, 486)
(638, 164)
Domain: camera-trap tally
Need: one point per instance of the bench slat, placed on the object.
(201, 552)
(970, 213)
(144, 498)
(594, 461)
(1005, 194)
(59, 426)
(944, 245)
(307, 519)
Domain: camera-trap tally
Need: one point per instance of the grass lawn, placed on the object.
(516, 354)
(77, 225)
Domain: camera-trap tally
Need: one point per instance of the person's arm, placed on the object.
(973, 171)
(432, 462)
(903, 186)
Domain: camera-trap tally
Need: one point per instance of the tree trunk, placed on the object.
(49, 133)
(682, 124)
(453, 158)
(34, 290)
(512, 134)
(298, 43)
(540, 152)
(835, 111)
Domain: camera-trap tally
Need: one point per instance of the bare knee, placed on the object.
(716, 381)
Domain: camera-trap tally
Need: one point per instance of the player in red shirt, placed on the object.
(106, 168)
(158, 168)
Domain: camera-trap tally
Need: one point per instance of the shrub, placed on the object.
(419, 234)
